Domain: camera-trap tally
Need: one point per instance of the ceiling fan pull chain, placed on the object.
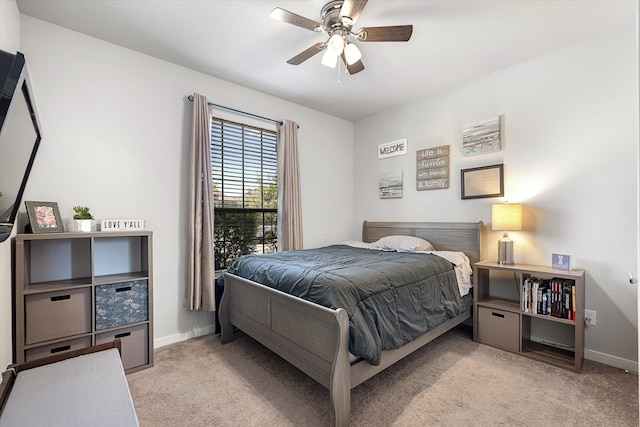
(339, 72)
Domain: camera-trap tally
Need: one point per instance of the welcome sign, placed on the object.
(393, 148)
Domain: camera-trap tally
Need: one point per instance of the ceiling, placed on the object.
(235, 40)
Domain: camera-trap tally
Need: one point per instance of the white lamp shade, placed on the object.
(352, 53)
(335, 44)
(329, 59)
(506, 217)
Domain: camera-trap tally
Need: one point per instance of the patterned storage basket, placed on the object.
(119, 304)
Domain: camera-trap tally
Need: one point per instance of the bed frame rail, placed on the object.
(313, 338)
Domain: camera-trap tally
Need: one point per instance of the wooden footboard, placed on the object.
(313, 338)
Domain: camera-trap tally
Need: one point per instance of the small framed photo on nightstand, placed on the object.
(561, 262)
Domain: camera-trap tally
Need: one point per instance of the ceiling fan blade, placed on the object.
(354, 68)
(351, 9)
(292, 18)
(398, 33)
(303, 56)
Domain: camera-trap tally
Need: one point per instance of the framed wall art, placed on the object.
(390, 185)
(485, 181)
(561, 262)
(432, 168)
(44, 217)
(482, 137)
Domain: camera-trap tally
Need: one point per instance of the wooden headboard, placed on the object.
(444, 236)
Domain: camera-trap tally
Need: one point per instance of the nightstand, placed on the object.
(506, 323)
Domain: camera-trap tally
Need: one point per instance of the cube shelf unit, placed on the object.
(75, 290)
(502, 323)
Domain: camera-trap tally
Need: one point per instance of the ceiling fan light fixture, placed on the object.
(329, 59)
(335, 44)
(352, 53)
(338, 19)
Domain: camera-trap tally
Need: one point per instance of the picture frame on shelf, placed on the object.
(561, 262)
(485, 181)
(44, 217)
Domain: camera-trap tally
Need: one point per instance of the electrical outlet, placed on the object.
(590, 317)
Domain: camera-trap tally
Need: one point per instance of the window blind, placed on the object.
(244, 171)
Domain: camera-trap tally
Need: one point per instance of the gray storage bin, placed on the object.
(59, 314)
(499, 328)
(57, 348)
(135, 342)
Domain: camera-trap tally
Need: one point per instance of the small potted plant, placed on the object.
(83, 218)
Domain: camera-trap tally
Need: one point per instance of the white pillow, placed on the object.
(404, 244)
(358, 244)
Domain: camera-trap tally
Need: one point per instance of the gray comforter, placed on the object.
(391, 298)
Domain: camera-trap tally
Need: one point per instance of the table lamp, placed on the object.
(506, 217)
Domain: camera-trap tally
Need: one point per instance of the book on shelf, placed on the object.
(526, 292)
(549, 297)
(569, 287)
(554, 297)
(560, 291)
(573, 301)
(543, 296)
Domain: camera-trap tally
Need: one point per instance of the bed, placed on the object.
(315, 338)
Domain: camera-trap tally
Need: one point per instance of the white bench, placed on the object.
(82, 388)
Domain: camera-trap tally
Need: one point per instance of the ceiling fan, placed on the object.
(338, 18)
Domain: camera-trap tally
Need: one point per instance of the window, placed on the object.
(245, 190)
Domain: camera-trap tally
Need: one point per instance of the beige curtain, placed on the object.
(289, 198)
(200, 292)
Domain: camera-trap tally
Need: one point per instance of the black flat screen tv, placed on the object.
(20, 135)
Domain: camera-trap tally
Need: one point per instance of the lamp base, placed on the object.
(505, 252)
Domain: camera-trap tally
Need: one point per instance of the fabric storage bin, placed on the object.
(499, 328)
(58, 314)
(119, 304)
(134, 340)
(59, 347)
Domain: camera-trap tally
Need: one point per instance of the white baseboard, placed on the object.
(194, 333)
(608, 359)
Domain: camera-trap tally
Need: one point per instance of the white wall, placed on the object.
(9, 26)
(116, 126)
(570, 155)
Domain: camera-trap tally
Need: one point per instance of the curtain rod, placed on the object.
(190, 97)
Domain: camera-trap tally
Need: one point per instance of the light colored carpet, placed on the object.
(453, 381)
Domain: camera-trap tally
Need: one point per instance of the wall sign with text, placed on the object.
(393, 148)
(122, 224)
(432, 168)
